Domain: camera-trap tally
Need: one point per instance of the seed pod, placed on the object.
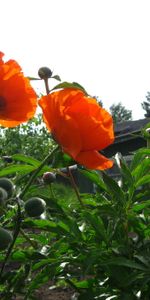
(35, 206)
(49, 177)
(3, 196)
(44, 73)
(7, 185)
(5, 238)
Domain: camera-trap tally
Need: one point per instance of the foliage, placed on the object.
(98, 244)
(146, 105)
(120, 113)
(30, 139)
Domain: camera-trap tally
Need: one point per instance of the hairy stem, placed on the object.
(75, 187)
(28, 239)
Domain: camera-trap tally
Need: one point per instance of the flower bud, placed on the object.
(49, 177)
(7, 185)
(35, 206)
(3, 196)
(5, 238)
(45, 73)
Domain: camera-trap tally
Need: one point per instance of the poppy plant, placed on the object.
(18, 100)
(80, 126)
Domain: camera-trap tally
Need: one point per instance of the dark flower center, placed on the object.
(2, 103)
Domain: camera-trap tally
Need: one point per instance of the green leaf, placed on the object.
(74, 229)
(41, 224)
(84, 284)
(94, 177)
(30, 160)
(113, 188)
(57, 77)
(97, 224)
(61, 160)
(33, 78)
(125, 171)
(138, 156)
(42, 263)
(141, 206)
(22, 169)
(66, 84)
(121, 261)
(42, 277)
(142, 169)
(19, 256)
(144, 180)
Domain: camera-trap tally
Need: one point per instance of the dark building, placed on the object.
(128, 138)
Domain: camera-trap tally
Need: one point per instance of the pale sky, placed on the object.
(102, 44)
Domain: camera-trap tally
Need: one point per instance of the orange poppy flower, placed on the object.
(79, 125)
(18, 100)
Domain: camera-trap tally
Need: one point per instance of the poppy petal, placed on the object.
(18, 100)
(79, 125)
(95, 123)
(94, 160)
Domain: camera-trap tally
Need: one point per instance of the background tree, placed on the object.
(120, 113)
(32, 139)
(146, 105)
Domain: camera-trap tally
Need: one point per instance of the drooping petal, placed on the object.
(94, 160)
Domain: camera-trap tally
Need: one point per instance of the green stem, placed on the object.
(75, 187)
(16, 232)
(28, 239)
(47, 158)
(51, 191)
(46, 85)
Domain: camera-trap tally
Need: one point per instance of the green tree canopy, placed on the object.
(120, 113)
(146, 105)
(30, 138)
